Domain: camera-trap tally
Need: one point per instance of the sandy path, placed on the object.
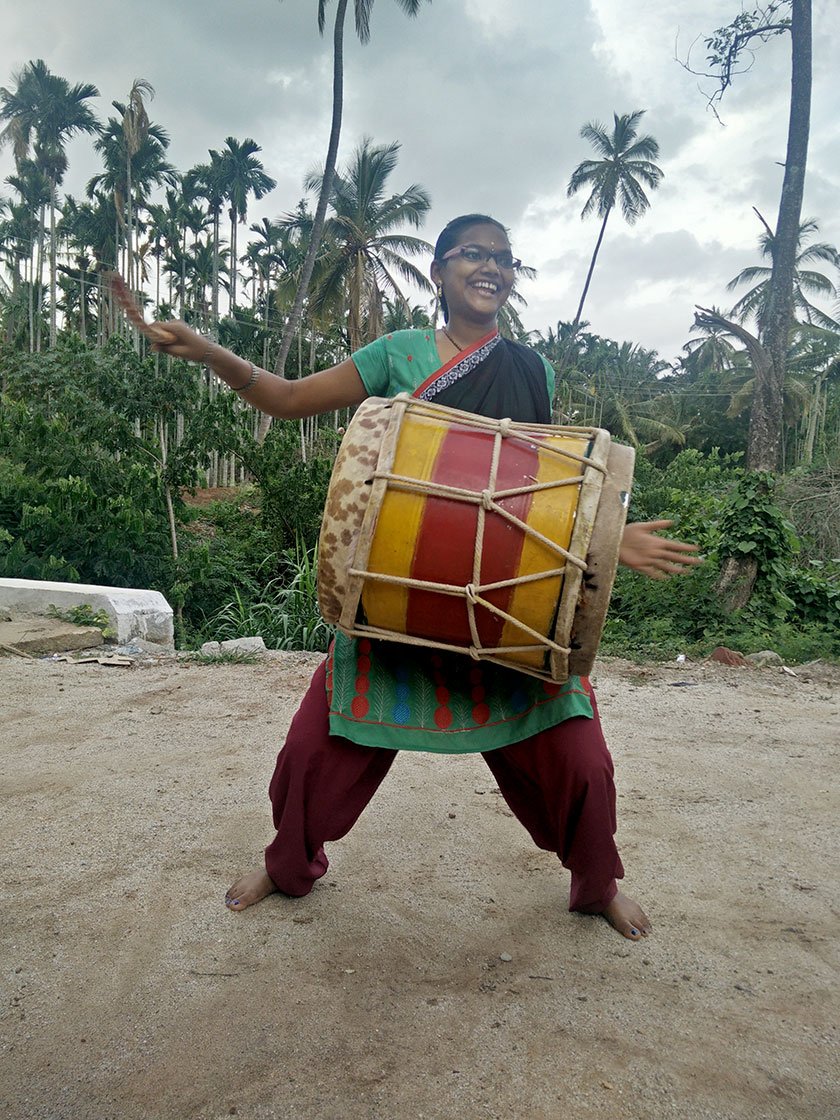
(131, 796)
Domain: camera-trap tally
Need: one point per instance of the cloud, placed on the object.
(487, 98)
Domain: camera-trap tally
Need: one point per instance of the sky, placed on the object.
(487, 99)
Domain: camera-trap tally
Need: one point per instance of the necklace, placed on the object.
(452, 340)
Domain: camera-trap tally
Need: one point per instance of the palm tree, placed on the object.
(626, 167)
(805, 280)
(136, 131)
(205, 180)
(133, 167)
(35, 192)
(163, 233)
(241, 174)
(44, 110)
(368, 255)
(362, 10)
(709, 351)
(400, 315)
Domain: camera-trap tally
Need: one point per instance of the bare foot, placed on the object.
(249, 889)
(627, 917)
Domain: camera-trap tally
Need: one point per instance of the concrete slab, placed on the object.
(133, 612)
(40, 636)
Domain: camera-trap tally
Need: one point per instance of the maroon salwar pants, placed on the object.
(559, 784)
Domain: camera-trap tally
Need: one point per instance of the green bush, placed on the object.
(293, 493)
(284, 613)
(795, 607)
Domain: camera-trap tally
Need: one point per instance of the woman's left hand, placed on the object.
(658, 557)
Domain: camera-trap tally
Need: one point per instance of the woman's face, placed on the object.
(475, 290)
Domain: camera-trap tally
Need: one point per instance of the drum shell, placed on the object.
(363, 484)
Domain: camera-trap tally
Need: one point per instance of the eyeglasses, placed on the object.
(477, 254)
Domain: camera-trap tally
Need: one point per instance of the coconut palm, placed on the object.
(400, 315)
(362, 11)
(241, 174)
(369, 254)
(806, 281)
(618, 178)
(43, 111)
(710, 350)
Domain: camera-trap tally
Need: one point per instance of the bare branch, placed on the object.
(729, 50)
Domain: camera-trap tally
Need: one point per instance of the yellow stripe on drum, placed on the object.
(398, 525)
(552, 513)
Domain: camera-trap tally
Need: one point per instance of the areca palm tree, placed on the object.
(43, 111)
(206, 180)
(163, 233)
(133, 167)
(362, 10)
(136, 126)
(806, 281)
(241, 174)
(35, 192)
(626, 167)
(369, 257)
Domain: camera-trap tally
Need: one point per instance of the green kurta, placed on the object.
(385, 694)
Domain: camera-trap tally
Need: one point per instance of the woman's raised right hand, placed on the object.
(173, 338)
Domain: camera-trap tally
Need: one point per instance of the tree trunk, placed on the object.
(579, 312)
(167, 493)
(321, 209)
(31, 307)
(564, 359)
(53, 310)
(736, 581)
(232, 259)
(83, 309)
(764, 448)
(215, 280)
(737, 576)
(40, 293)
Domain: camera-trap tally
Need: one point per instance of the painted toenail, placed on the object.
(635, 932)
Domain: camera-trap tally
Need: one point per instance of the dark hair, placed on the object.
(448, 239)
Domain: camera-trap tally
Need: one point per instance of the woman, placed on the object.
(544, 746)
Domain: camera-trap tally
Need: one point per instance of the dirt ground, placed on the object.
(132, 796)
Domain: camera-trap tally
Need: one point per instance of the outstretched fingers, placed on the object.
(128, 306)
(658, 557)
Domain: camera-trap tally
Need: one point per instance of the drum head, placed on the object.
(602, 560)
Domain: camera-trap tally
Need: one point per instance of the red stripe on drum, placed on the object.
(446, 540)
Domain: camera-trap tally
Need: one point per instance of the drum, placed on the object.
(486, 537)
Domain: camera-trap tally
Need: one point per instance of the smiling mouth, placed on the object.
(486, 286)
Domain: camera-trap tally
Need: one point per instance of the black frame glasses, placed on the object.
(478, 254)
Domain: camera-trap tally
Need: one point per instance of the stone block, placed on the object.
(41, 636)
(133, 613)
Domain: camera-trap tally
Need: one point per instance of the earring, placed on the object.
(440, 291)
